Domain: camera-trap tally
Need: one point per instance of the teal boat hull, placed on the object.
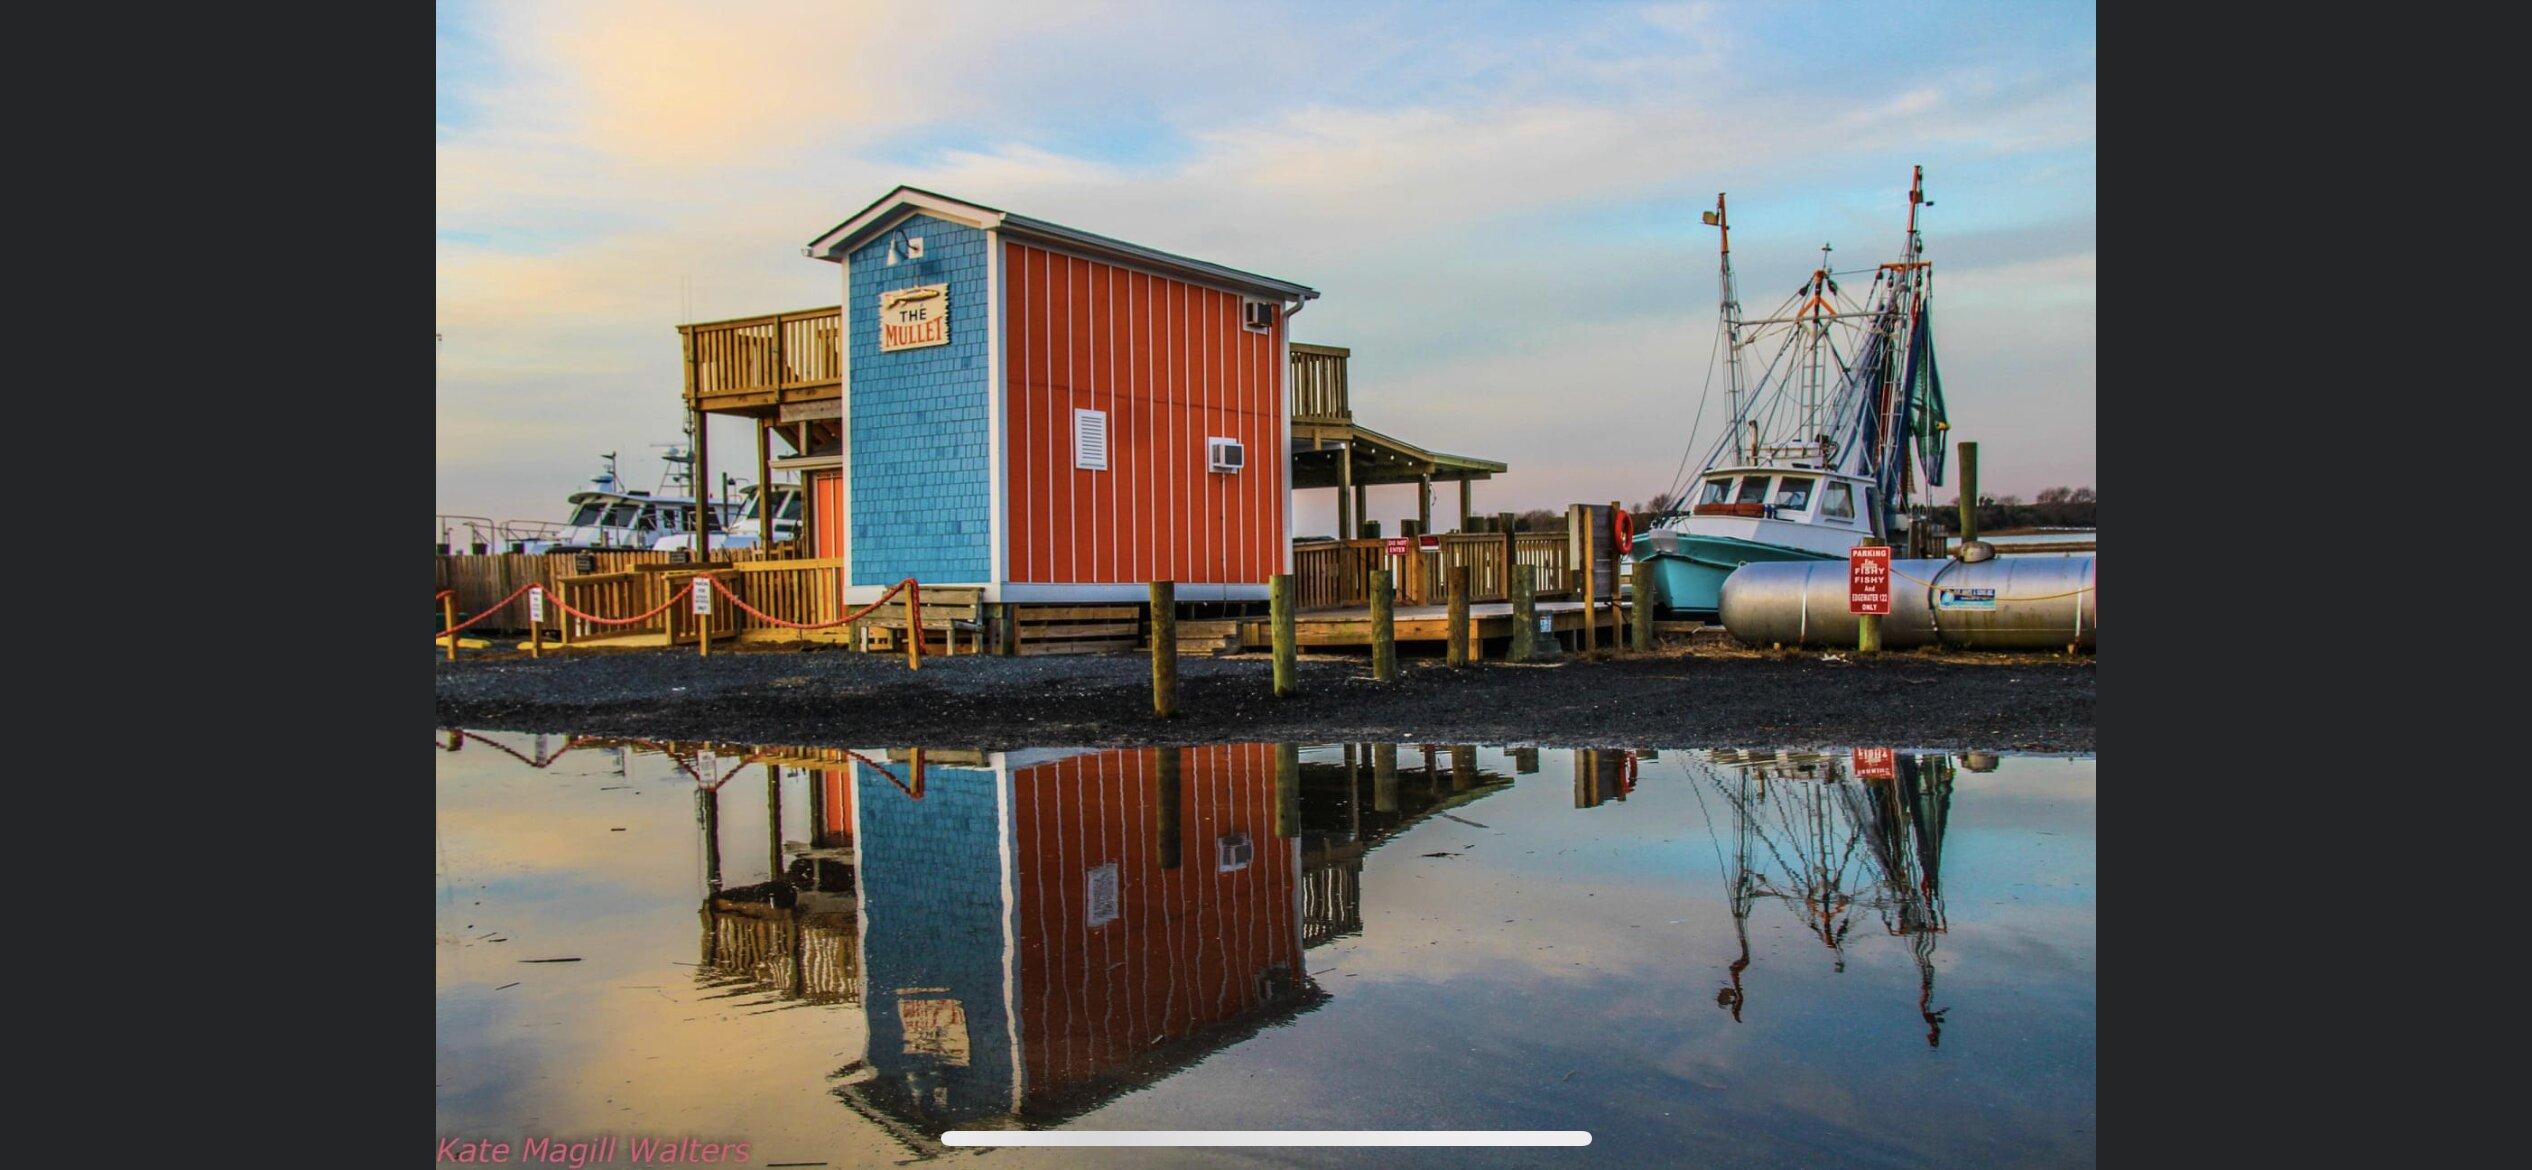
(1691, 579)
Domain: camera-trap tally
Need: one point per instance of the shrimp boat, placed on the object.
(748, 530)
(1816, 454)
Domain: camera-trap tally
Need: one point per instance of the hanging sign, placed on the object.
(911, 318)
(1878, 763)
(703, 596)
(1429, 540)
(536, 603)
(1868, 579)
(1396, 546)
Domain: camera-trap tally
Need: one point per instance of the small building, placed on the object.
(1046, 413)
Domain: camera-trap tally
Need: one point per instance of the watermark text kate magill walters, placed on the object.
(579, 1152)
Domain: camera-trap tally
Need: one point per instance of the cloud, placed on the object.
(1500, 209)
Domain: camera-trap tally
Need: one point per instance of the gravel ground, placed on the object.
(1712, 696)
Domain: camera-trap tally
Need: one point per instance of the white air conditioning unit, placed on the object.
(1258, 316)
(1221, 454)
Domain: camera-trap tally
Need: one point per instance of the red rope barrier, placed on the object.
(489, 610)
(655, 612)
(854, 616)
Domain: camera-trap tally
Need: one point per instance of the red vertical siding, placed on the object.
(1188, 946)
(1171, 365)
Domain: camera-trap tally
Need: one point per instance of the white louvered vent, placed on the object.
(1233, 852)
(1090, 440)
(1258, 316)
(1103, 895)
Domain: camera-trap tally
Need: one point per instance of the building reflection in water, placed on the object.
(1029, 934)
(1829, 835)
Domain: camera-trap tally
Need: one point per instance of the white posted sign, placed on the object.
(536, 603)
(703, 597)
(911, 318)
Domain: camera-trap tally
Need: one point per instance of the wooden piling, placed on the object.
(1385, 777)
(448, 624)
(1463, 767)
(1287, 791)
(708, 818)
(1525, 613)
(914, 626)
(1166, 830)
(1589, 567)
(1007, 631)
(1643, 612)
(1969, 492)
(1868, 625)
(1617, 628)
(1165, 649)
(1384, 632)
(773, 821)
(1458, 623)
(1287, 641)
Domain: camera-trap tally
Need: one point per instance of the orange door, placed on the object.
(826, 492)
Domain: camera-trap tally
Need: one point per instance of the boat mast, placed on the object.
(1907, 284)
(1731, 326)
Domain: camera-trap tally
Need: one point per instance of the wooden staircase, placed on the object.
(1209, 637)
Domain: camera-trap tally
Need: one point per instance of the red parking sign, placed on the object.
(1868, 579)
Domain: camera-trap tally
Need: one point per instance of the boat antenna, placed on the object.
(1719, 219)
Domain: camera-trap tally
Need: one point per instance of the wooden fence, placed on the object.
(482, 579)
(1337, 574)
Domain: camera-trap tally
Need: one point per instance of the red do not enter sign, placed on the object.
(1868, 579)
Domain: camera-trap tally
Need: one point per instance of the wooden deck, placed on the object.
(1490, 620)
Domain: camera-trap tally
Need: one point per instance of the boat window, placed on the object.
(1837, 502)
(1753, 490)
(1718, 491)
(1793, 493)
(790, 507)
(588, 514)
(621, 516)
(671, 520)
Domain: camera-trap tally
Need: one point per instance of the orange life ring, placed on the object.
(1622, 526)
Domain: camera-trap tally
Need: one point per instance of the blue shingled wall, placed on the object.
(931, 881)
(919, 447)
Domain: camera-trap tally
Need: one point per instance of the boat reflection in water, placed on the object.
(1829, 835)
(1027, 935)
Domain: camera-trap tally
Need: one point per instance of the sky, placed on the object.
(1498, 203)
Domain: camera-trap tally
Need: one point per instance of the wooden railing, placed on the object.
(1337, 575)
(481, 579)
(766, 359)
(785, 357)
(1319, 392)
(802, 591)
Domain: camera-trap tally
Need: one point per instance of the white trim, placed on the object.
(1021, 592)
(1005, 815)
(844, 432)
(892, 209)
(1283, 427)
(856, 596)
(997, 402)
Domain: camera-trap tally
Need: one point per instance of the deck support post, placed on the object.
(702, 484)
(1287, 644)
(765, 483)
(1423, 504)
(1458, 588)
(1463, 767)
(1525, 613)
(1384, 777)
(1363, 523)
(1165, 649)
(1348, 498)
(1464, 501)
(1384, 627)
